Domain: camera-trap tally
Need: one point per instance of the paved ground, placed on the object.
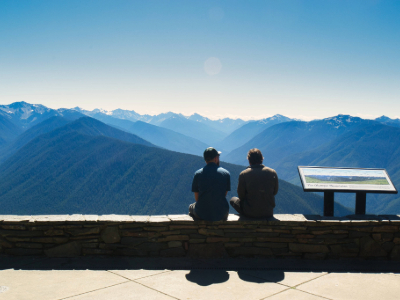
(133, 278)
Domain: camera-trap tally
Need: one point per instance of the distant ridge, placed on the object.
(159, 136)
(246, 132)
(284, 139)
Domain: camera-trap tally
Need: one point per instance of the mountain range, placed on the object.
(29, 135)
(89, 167)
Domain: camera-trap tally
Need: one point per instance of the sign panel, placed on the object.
(346, 180)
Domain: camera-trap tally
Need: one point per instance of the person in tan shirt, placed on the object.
(257, 188)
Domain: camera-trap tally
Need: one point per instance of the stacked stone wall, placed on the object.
(300, 236)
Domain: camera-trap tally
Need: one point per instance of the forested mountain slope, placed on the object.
(69, 171)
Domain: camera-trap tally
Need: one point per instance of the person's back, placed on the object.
(210, 185)
(257, 188)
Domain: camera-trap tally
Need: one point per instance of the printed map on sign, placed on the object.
(345, 179)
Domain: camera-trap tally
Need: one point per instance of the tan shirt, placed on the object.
(257, 187)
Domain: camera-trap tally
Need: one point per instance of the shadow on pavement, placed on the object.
(269, 276)
(224, 264)
(207, 277)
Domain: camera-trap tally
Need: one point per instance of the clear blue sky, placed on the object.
(250, 59)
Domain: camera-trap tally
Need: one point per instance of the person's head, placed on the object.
(255, 157)
(211, 155)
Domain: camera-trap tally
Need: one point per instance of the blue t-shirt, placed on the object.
(211, 182)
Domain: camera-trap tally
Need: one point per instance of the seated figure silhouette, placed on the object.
(256, 189)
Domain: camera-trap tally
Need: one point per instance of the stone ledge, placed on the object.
(302, 236)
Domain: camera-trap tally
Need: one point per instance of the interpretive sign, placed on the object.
(345, 180)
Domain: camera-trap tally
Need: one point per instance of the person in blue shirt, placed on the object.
(210, 186)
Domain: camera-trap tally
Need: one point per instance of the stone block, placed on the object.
(89, 251)
(133, 240)
(174, 244)
(318, 232)
(307, 248)
(52, 232)
(140, 219)
(159, 219)
(14, 227)
(276, 240)
(340, 231)
(173, 227)
(371, 248)
(197, 241)
(50, 218)
(238, 226)
(271, 245)
(5, 244)
(216, 239)
(72, 249)
(115, 218)
(75, 218)
(137, 233)
(110, 235)
(249, 251)
(83, 231)
(396, 240)
(386, 237)
(212, 250)
(173, 252)
(15, 219)
(305, 236)
(131, 225)
(174, 238)
(41, 227)
(356, 234)
(29, 245)
(50, 240)
(388, 246)
(173, 232)
(387, 228)
(19, 233)
(156, 228)
(91, 218)
(377, 237)
(17, 239)
(211, 232)
(395, 253)
(232, 245)
(90, 245)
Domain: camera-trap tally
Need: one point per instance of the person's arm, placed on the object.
(241, 189)
(195, 187)
(276, 184)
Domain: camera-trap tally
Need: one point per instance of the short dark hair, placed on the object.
(255, 156)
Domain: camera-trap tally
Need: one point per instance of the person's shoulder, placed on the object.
(267, 169)
(222, 170)
(247, 170)
(199, 171)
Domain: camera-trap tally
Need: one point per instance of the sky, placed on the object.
(241, 59)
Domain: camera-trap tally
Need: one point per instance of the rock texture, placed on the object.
(302, 236)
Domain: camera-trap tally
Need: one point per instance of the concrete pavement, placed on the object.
(135, 278)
